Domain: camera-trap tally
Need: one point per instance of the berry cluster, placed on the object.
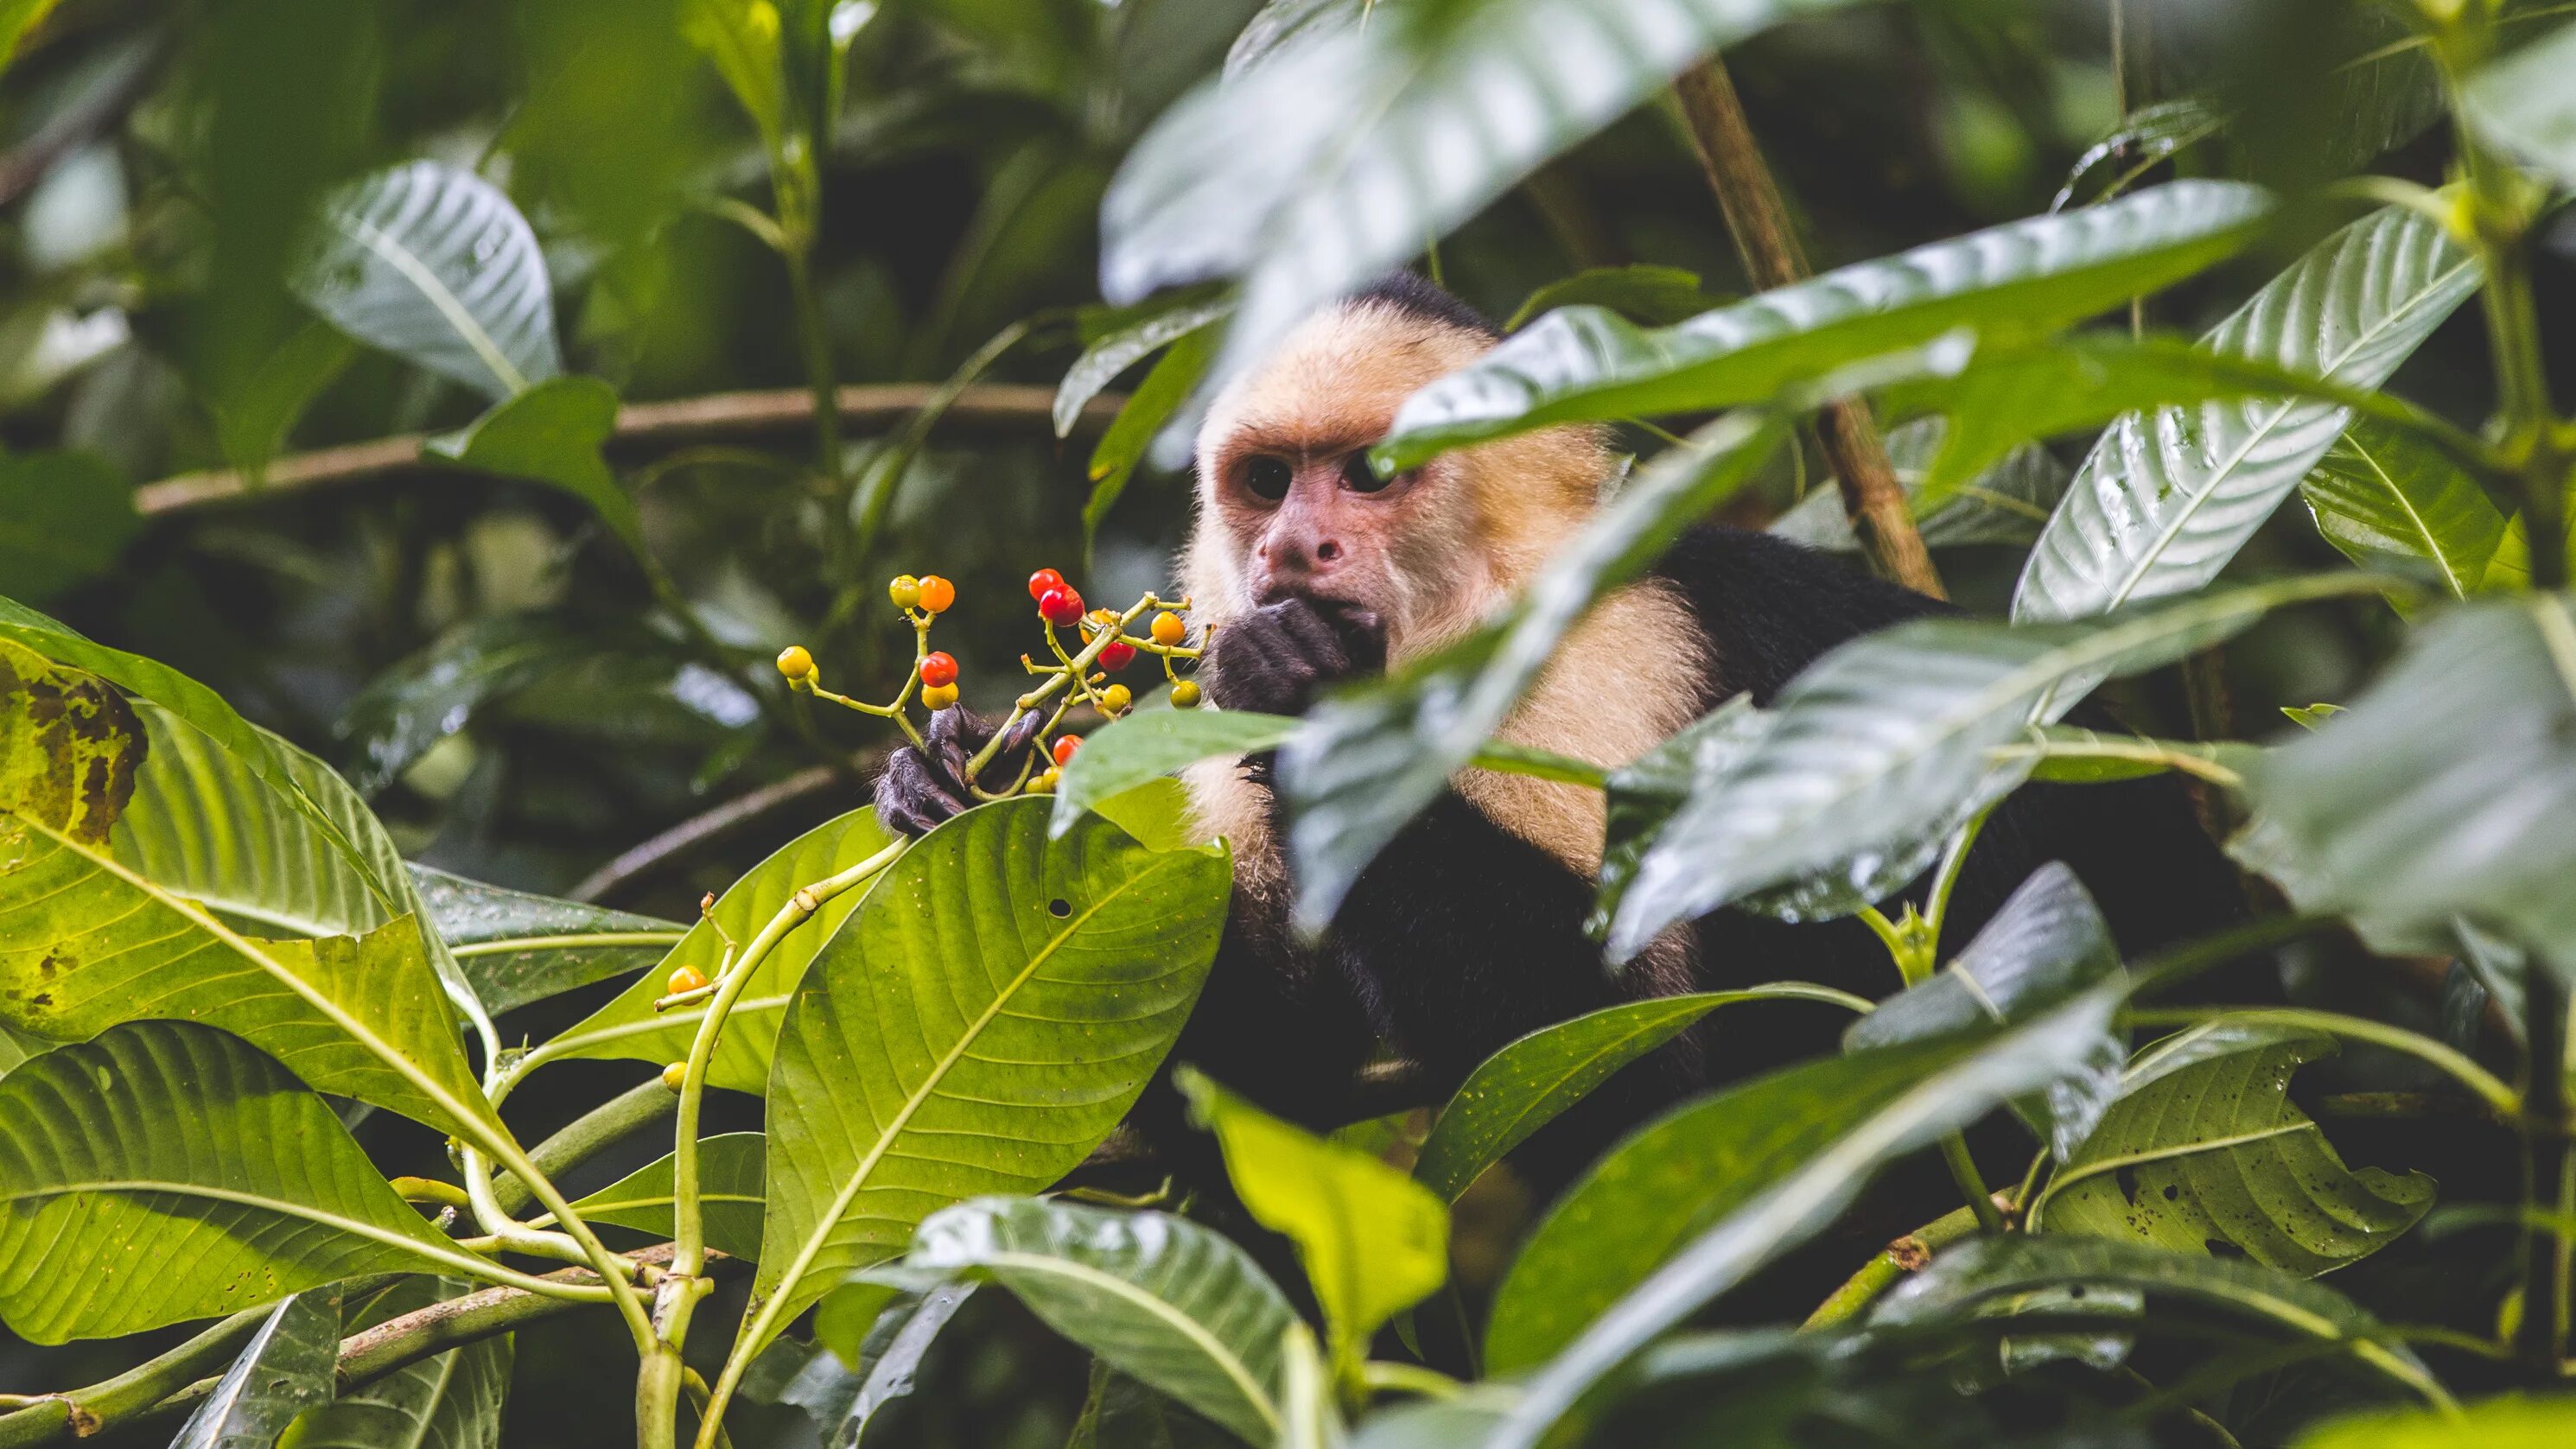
(1081, 675)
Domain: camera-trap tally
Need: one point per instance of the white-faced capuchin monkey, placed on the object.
(1467, 930)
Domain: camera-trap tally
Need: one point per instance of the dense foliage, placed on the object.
(510, 417)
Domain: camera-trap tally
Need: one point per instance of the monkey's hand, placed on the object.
(921, 787)
(1275, 659)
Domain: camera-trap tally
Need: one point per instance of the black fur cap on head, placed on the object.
(1415, 297)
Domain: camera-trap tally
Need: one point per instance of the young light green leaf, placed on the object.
(2380, 815)
(1641, 291)
(435, 265)
(2168, 497)
(64, 517)
(1159, 1298)
(285, 1369)
(730, 1173)
(1886, 744)
(2523, 101)
(2204, 1153)
(1101, 362)
(1523, 1087)
(1369, 759)
(976, 1027)
(518, 948)
(167, 1171)
(629, 1029)
(2005, 506)
(1373, 1241)
(1152, 743)
(1823, 1131)
(2508, 1421)
(550, 433)
(2025, 277)
(2388, 499)
(451, 1400)
(1333, 158)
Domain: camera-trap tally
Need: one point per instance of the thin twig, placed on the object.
(697, 830)
(1768, 241)
(992, 407)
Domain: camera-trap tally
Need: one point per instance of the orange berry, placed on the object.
(1169, 630)
(936, 594)
(1065, 745)
(687, 979)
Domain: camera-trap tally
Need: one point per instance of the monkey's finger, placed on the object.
(909, 798)
(1314, 639)
(1020, 735)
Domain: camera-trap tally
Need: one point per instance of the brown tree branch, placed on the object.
(1758, 219)
(991, 407)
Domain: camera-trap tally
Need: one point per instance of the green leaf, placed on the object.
(1130, 435)
(285, 1369)
(435, 265)
(550, 433)
(1158, 813)
(2523, 102)
(2386, 498)
(629, 1029)
(435, 693)
(252, 421)
(1369, 759)
(1523, 1087)
(2019, 1265)
(1655, 295)
(1282, 24)
(2168, 497)
(2381, 816)
(1336, 156)
(1884, 746)
(2204, 1153)
(1755, 1170)
(451, 1400)
(741, 38)
(730, 1173)
(17, 17)
(2006, 505)
(168, 1171)
(887, 1363)
(69, 746)
(2071, 755)
(2508, 1421)
(2144, 137)
(980, 1024)
(518, 948)
(1157, 1297)
(1110, 355)
(64, 518)
(2028, 276)
(1152, 743)
(1373, 1241)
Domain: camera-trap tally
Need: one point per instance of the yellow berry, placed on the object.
(938, 696)
(1045, 783)
(1185, 695)
(905, 591)
(1168, 629)
(1116, 698)
(936, 594)
(687, 979)
(796, 663)
(674, 1074)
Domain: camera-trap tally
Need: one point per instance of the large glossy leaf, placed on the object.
(1887, 743)
(69, 746)
(730, 1173)
(169, 1171)
(1152, 743)
(1373, 1241)
(551, 433)
(629, 1029)
(2523, 101)
(518, 948)
(64, 517)
(285, 1369)
(435, 265)
(2507, 1421)
(2388, 499)
(2381, 815)
(2006, 505)
(977, 1027)
(1336, 156)
(2020, 1266)
(2028, 276)
(1820, 1132)
(2168, 497)
(1370, 759)
(451, 1400)
(2204, 1153)
(1523, 1087)
(1157, 1297)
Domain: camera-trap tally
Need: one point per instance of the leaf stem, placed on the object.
(1900, 1259)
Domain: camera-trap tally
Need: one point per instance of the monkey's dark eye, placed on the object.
(1359, 477)
(1268, 478)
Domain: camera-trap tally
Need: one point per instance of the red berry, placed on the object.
(937, 669)
(1065, 745)
(1061, 607)
(1044, 581)
(1117, 654)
